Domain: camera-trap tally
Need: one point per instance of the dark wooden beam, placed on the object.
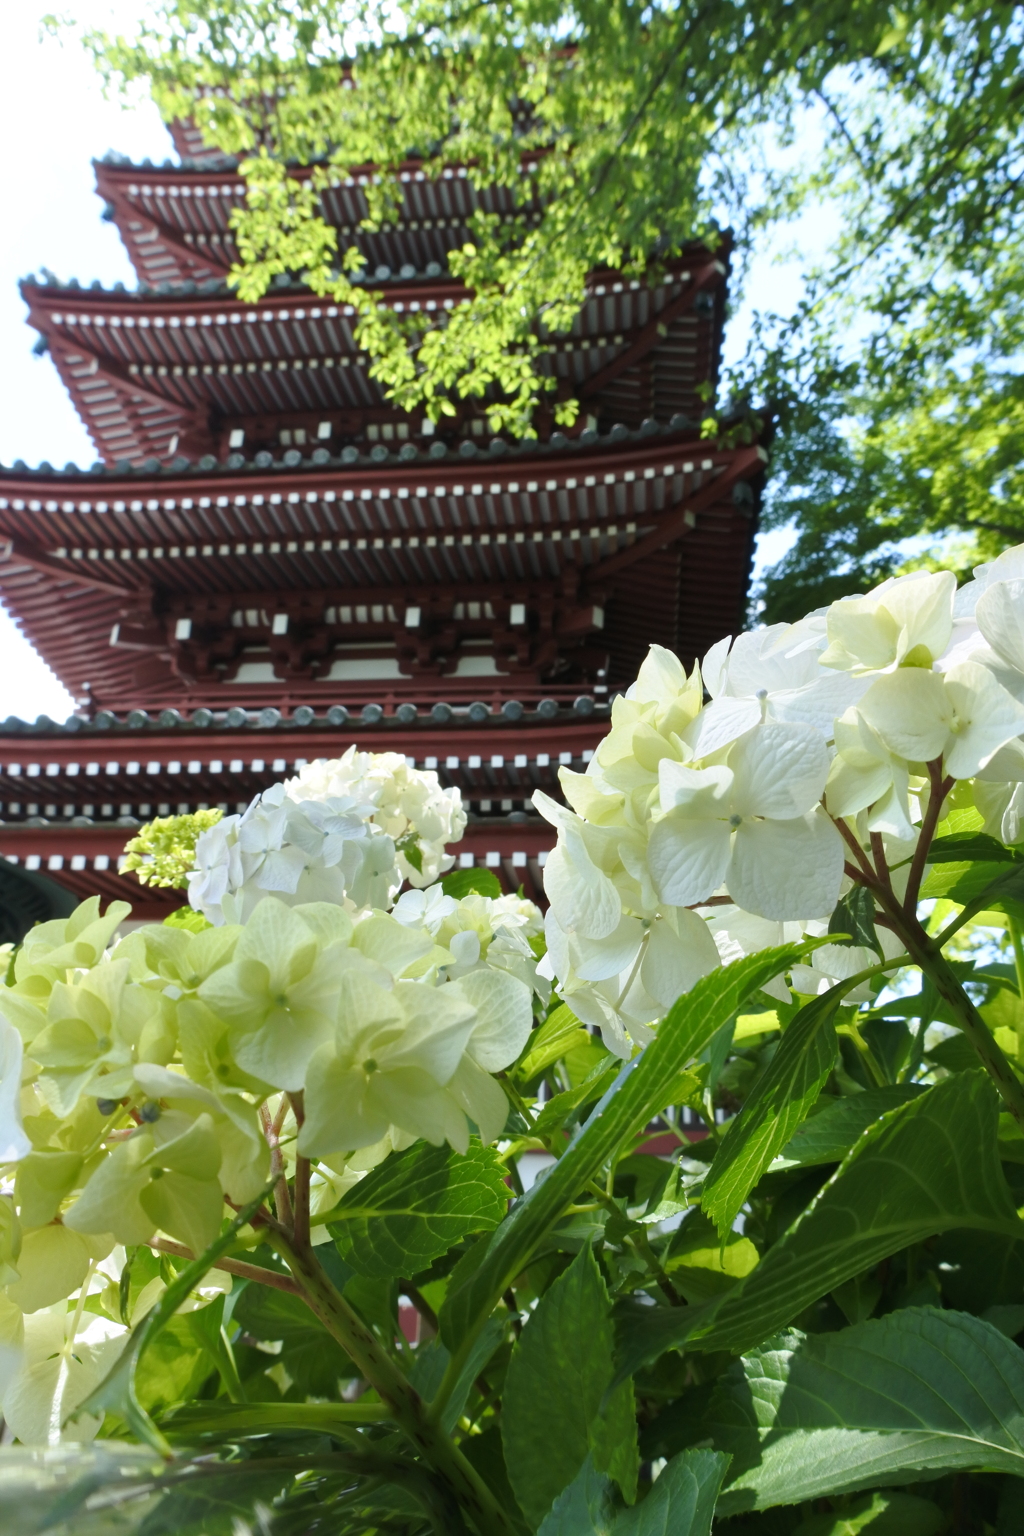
(709, 276)
(673, 524)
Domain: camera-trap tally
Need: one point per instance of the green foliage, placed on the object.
(781, 1318)
(416, 1206)
(467, 882)
(619, 132)
(557, 1407)
(163, 851)
(681, 1503)
(779, 1101)
(889, 1401)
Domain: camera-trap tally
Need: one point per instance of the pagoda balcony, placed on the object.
(398, 579)
(107, 769)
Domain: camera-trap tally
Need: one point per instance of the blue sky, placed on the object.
(53, 121)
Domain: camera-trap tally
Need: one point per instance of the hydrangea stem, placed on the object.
(405, 1406)
(935, 966)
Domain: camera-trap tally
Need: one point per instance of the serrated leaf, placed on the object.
(554, 1412)
(415, 1206)
(470, 882)
(779, 1101)
(914, 1394)
(636, 1095)
(927, 1167)
(827, 1136)
(680, 1503)
(930, 1166)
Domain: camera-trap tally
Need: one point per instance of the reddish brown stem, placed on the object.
(878, 854)
(865, 875)
(300, 1187)
(940, 788)
(272, 1132)
(271, 1277)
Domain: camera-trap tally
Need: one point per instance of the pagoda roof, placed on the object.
(147, 370)
(91, 560)
(175, 219)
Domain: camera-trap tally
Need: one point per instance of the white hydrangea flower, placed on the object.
(770, 674)
(14, 1144)
(754, 825)
(408, 804)
(351, 829)
(906, 621)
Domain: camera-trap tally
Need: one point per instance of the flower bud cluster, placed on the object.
(719, 802)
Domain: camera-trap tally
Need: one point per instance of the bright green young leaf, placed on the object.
(469, 882)
(681, 1502)
(560, 1032)
(702, 1264)
(555, 1413)
(415, 1206)
(827, 1136)
(117, 1393)
(636, 1095)
(914, 1394)
(929, 1166)
(558, 1109)
(878, 1514)
(779, 1101)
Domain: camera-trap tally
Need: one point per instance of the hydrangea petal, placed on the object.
(788, 870)
(688, 858)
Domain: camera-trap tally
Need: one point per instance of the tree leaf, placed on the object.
(635, 1096)
(779, 1101)
(929, 1166)
(910, 1395)
(827, 1136)
(554, 1413)
(415, 1206)
(680, 1503)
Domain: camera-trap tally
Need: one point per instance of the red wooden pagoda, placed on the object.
(268, 561)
